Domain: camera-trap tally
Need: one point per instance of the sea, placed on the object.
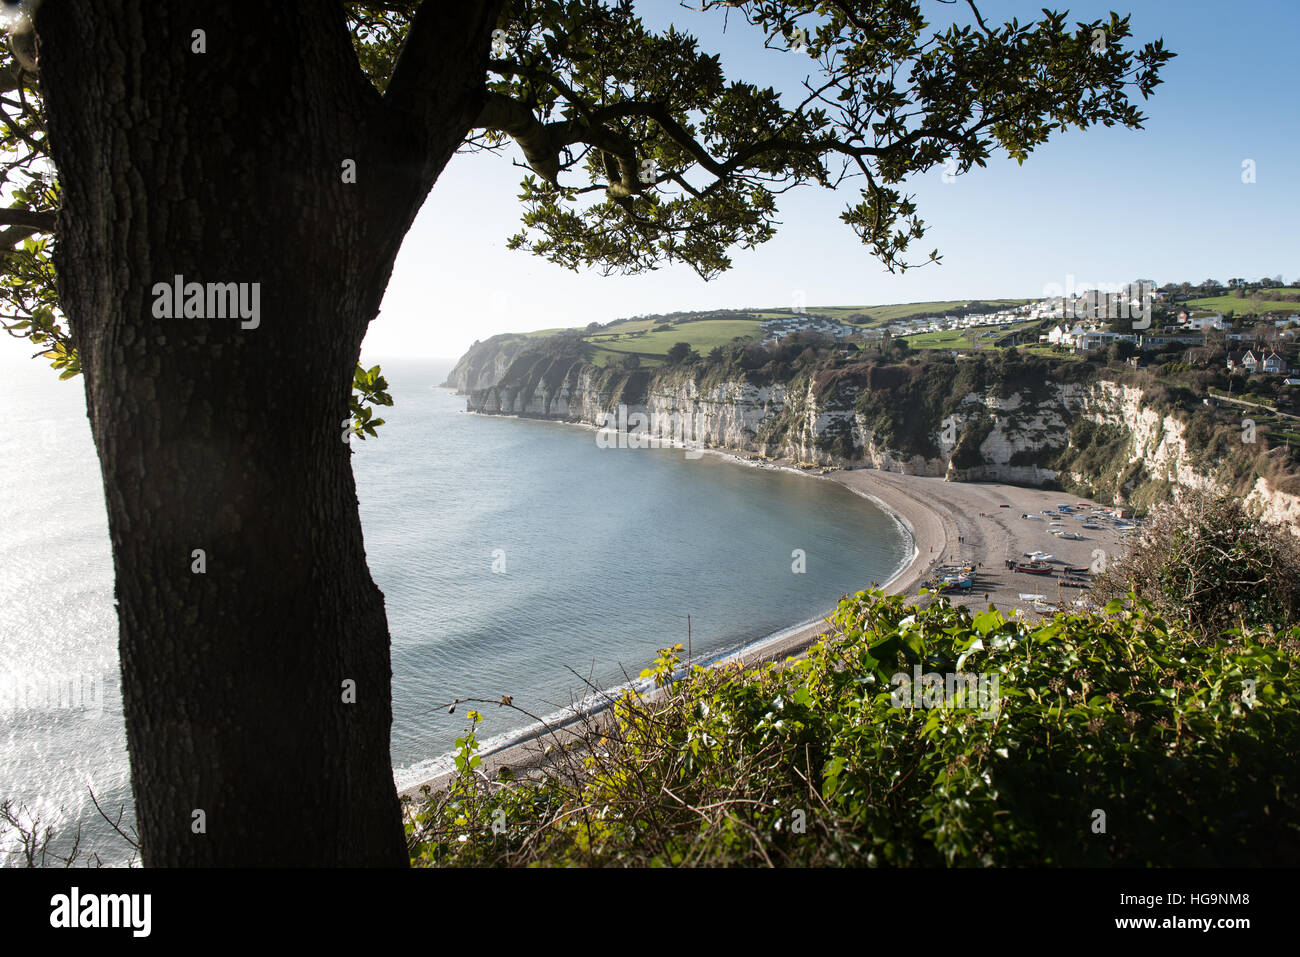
(517, 557)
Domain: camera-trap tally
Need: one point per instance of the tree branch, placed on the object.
(507, 115)
(444, 39)
(12, 235)
(33, 220)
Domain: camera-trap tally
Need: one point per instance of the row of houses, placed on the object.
(1254, 360)
(1002, 317)
(1082, 338)
(776, 329)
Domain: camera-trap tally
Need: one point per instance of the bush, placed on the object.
(1120, 740)
(1205, 558)
(680, 353)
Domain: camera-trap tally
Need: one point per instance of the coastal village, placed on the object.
(1135, 324)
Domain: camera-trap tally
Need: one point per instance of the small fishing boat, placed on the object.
(955, 584)
(1034, 568)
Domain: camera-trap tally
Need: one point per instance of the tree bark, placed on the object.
(227, 166)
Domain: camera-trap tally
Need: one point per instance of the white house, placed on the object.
(1201, 323)
(1099, 338)
(1274, 363)
(1071, 338)
(1149, 342)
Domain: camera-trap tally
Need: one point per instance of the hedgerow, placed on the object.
(1113, 739)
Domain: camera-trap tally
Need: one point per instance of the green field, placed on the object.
(963, 338)
(1247, 306)
(703, 337)
(879, 314)
(636, 336)
(1043, 349)
(944, 339)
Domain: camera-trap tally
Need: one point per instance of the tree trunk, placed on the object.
(226, 166)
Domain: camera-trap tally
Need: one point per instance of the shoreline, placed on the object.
(524, 752)
(945, 522)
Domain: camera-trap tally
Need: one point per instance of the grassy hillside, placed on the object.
(640, 339)
(977, 338)
(882, 315)
(650, 337)
(1267, 300)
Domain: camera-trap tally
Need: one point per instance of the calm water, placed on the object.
(509, 552)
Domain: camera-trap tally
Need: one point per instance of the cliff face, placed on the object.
(486, 363)
(1159, 449)
(778, 421)
(1096, 438)
(1157, 441)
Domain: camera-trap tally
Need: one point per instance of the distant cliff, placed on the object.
(1026, 422)
(486, 362)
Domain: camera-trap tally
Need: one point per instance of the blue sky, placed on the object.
(1103, 206)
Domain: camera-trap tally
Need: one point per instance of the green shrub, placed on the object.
(1206, 559)
(1190, 750)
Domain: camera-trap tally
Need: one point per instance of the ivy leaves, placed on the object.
(369, 388)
